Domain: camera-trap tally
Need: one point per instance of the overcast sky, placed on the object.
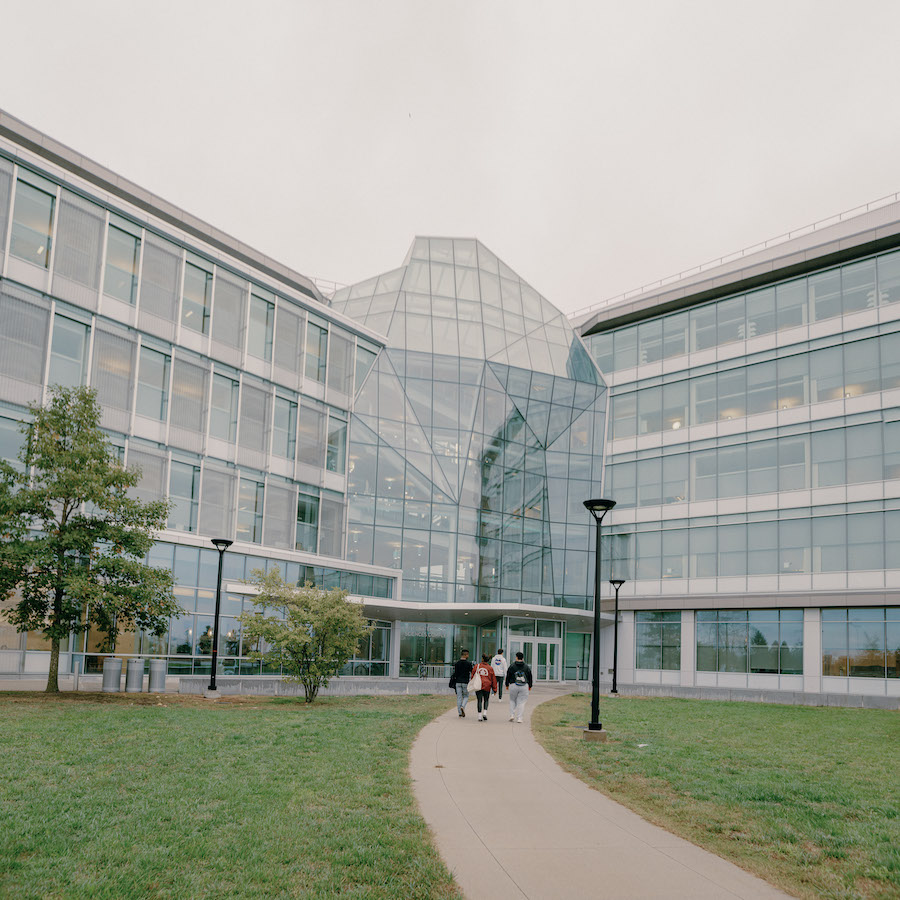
(594, 146)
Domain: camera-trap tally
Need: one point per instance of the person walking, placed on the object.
(499, 665)
(519, 682)
(488, 685)
(462, 672)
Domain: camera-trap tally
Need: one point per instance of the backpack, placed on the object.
(520, 676)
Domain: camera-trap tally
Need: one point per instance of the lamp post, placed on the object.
(616, 583)
(598, 509)
(221, 544)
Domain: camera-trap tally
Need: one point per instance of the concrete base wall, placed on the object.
(260, 685)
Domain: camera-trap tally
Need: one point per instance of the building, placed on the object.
(423, 441)
(754, 454)
(426, 439)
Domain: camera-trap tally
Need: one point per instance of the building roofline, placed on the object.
(861, 235)
(61, 155)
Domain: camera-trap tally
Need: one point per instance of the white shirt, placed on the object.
(499, 665)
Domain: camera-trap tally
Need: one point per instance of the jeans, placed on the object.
(482, 697)
(462, 695)
(518, 694)
(500, 686)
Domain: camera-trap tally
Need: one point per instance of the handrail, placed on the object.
(738, 254)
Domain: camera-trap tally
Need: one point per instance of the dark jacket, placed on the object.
(518, 666)
(463, 671)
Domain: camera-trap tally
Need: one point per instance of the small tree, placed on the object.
(313, 635)
(72, 541)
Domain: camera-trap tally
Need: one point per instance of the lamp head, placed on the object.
(617, 582)
(599, 508)
(221, 544)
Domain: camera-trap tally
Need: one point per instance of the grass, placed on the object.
(130, 796)
(807, 798)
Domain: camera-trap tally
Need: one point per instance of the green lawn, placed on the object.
(119, 796)
(807, 798)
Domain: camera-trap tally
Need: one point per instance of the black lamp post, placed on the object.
(598, 509)
(616, 583)
(221, 544)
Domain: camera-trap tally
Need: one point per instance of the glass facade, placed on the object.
(475, 436)
(199, 363)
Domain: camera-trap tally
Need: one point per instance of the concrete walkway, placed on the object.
(510, 823)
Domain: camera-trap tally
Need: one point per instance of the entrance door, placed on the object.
(541, 654)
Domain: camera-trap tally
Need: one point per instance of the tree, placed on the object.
(72, 540)
(312, 635)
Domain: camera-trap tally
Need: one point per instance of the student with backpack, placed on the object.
(459, 680)
(519, 682)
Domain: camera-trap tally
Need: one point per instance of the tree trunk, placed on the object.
(53, 677)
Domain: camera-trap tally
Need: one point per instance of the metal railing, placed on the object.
(747, 251)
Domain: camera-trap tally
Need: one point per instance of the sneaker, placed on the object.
(462, 712)
(512, 718)
(479, 717)
(519, 719)
(484, 717)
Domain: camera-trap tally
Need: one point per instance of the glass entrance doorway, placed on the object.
(543, 655)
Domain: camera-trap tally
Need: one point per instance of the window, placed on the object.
(284, 428)
(196, 297)
(311, 434)
(625, 347)
(11, 440)
(658, 639)
(858, 286)
(153, 384)
(307, 522)
(261, 329)
(650, 341)
(791, 304)
(825, 294)
(32, 225)
(250, 511)
(624, 415)
(123, 253)
(340, 363)
(861, 642)
(649, 410)
(184, 492)
(68, 352)
(761, 312)
(336, 452)
(224, 409)
(675, 335)
(316, 351)
(676, 397)
(600, 345)
(758, 641)
(703, 327)
(731, 316)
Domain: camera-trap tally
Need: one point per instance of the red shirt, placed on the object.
(488, 678)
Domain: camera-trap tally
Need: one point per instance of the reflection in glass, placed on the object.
(32, 225)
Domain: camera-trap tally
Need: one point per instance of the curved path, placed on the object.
(510, 823)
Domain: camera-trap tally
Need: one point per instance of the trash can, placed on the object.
(134, 676)
(112, 675)
(157, 676)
